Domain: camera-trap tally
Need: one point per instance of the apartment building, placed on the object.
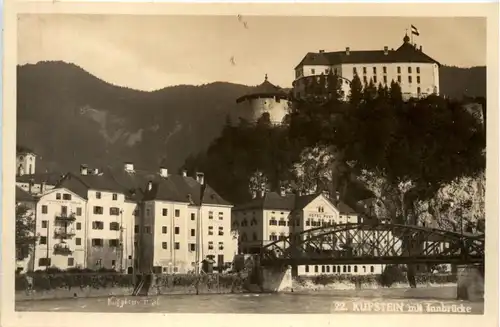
(416, 72)
(185, 222)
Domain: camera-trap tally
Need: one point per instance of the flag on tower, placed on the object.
(414, 30)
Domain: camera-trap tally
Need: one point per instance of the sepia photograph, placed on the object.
(251, 164)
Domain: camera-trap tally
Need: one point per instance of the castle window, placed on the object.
(399, 70)
(374, 70)
(399, 78)
(418, 79)
(364, 70)
(418, 92)
(385, 79)
(384, 69)
(409, 70)
(375, 79)
(418, 70)
(409, 79)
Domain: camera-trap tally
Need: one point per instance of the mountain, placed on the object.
(69, 117)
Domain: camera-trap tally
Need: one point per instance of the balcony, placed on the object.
(64, 233)
(62, 249)
(66, 217)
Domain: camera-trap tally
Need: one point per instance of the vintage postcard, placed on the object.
(337, 160)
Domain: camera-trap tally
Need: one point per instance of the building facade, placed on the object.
(408, 65)
(263, 99)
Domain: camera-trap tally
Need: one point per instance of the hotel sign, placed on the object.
(319, 216)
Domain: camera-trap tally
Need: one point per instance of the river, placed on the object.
(297, 302)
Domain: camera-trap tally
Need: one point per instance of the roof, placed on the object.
(22, 149)
(289, 202)
(133, 185)
(48, 178)
(23, 196)
(266, 89)
(405, 53)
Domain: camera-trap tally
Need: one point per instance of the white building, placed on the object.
(25, 161)
(61, 227)
(415, 71)
(185, 222)
(37, 184)
(265, 98)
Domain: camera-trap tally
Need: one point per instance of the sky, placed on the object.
(152, 52)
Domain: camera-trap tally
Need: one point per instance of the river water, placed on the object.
(426, 300)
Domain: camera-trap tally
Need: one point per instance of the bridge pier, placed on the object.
(276, 279)
(470, 282)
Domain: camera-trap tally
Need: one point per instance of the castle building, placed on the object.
(408, 65)
(265, 98)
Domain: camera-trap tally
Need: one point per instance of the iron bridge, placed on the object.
(362, 243)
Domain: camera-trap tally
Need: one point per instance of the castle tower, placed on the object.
(25, 161)
(265, 98)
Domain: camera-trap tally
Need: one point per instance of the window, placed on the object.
(374, 70)
(44, 223)
(385, 79)
(58, 196)
(316, 269)
(177, 230)
(334, 269)
(399, 78)
(282, 222)
(210, 230)
(97, 225)
(78, 241)
(409, 70)
(114, 226)
(64, 210)
(384, 70)
(313, 71)
(97, 242)
(164, 212)
(210, 215)
(177, 245)
(113, 243)
(164, 230)
(418, 70)
(44, 209)
(221, 246)
(193, 216)
(115, 196)
(344, 269)
(327, 269)
(210, 245)
(113, 211)
(78, 211)
(98, 210)
(164, 245)
(192, 232)
(307, 269)
(322, 269)
(375, 79)
(355, 269)
(43, 239)
(44, 262)
(221, 231)
(147, 229)
(354, 71)
(66, 196)
(399, 70)
(372, 269)
(97, 195)
(364, 70)
(136, 229)
(177, 212)
(221, 215)
(409, 79)
(418, 92)
(192, 247)
(418, 79)
(113, 263)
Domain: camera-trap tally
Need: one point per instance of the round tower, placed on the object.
(265, 98)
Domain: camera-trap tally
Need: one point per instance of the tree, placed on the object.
(356, 91)
(25, 232)
(334, 86)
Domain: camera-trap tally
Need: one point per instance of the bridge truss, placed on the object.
(374, 244)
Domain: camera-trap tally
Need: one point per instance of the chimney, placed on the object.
(42, 187)
(420, 48)
(184, 173)
(386, 50)
(83, 170)
(129, 167)
(347, 50)
(321, 51)
(150, 186)
(96, 171)
(163, 172)
(282, 191)
(326, 194)
(200, 178)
